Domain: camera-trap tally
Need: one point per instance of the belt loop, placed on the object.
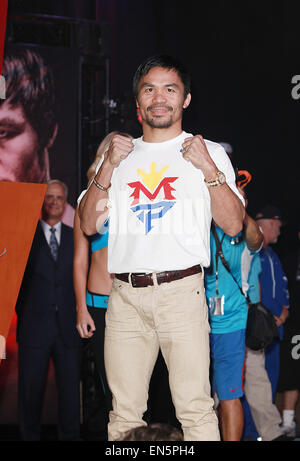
(154, 278)
(129, 280)
(202, 271)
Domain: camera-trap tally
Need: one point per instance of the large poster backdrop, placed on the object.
(20, 205)
(3, 14)
(43, 83)
(39, 143)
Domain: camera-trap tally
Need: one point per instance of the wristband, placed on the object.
(104, 189)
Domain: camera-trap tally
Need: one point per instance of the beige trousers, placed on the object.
(171, 316)
(258, 393)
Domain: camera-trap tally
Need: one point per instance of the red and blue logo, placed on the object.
(151, 186)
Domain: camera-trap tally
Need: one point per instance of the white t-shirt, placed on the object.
(159, 208)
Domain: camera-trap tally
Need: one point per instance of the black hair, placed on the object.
(30, 84)
(153, 432)
(166, 62)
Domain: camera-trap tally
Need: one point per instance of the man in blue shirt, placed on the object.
(273, 282)
(261, 416)
(228, 317)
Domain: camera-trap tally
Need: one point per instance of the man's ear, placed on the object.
(53, 137)
(187, 101)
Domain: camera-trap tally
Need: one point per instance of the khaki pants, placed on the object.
(258, 393)
(171, 316)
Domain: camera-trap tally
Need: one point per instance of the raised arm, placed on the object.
(93, 206)
(253, 235)
(226, 207)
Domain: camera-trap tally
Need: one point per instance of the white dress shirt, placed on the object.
(47, 232)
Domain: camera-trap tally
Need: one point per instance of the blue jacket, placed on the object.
(273, 281)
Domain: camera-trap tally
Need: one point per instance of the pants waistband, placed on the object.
(96, 300)
(143, 279)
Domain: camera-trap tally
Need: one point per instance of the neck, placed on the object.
(151, 134)
(51, 221)
(266, 241)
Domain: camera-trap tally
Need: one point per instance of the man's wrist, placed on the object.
(281, 319)
(81, 308)
(210, 174)
(103, 176)
(107, 163)
(100, 186)
(106, 167)
(218, 180)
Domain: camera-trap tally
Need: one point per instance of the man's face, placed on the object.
(161, 98)
(54, 202)
(275, 230)
(18, 147)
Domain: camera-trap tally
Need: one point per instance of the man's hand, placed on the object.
(194, 150)
(226, 208)
(284, 315)
(119, 148)
(93, 211)
(278, 320)
(85, 324)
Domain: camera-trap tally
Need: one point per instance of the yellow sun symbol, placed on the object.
(152, 179)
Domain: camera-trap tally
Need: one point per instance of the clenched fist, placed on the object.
(194, 150)
(119, 148)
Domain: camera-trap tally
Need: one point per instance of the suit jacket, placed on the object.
(47, 287)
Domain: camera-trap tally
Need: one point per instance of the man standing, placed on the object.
(165, 188)
(228, 312)
(273, 283)
(46, 326)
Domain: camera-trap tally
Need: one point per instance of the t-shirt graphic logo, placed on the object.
(152, 184)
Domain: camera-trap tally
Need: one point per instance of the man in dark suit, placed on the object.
(46, 325)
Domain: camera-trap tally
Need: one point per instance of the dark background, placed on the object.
(242, 57)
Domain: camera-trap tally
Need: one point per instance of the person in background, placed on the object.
(228, 317)
(274, 287)
(92, 285)
(154, 432)
(261, 416)
(46, 323)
